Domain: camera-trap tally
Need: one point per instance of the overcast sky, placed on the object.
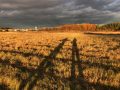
(22, 13)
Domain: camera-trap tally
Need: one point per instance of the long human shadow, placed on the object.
(76, 61)
(40, 71)
(84, 85)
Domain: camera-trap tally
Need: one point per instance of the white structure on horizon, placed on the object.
(36, 28)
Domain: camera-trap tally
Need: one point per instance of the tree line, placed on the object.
(80, 27)
(90, 27)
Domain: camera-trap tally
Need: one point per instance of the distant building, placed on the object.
(36, 28)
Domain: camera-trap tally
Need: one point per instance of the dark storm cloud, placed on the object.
(97, 4)
(55, 12)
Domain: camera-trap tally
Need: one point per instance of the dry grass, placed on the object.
(63, 61)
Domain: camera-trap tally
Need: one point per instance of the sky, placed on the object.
(30, 13)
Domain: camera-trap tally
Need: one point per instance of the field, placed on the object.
(104, 33)
(59, 61)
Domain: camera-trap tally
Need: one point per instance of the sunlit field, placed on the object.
(59, 61)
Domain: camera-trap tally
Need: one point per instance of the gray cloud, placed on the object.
(55, 12)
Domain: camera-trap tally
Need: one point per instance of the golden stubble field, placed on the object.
(59, 61)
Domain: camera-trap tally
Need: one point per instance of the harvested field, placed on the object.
(59, 61)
